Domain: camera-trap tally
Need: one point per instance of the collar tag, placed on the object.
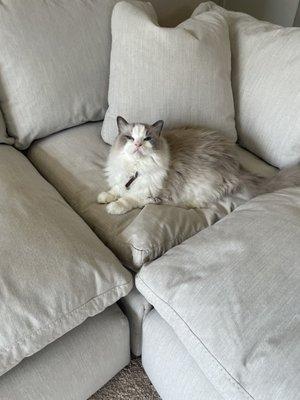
(131, 180)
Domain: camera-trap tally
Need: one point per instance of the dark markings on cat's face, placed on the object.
(153, 133)
(138, 138)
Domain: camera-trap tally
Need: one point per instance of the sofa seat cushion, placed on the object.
(171, 369)
(73, 162)
(54, 271)
(232, 293)
(76, 365)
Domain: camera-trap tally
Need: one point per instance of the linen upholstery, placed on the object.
(231, 293)
(54, 64)
(171, 369)
(76, 365)
(252, 163)
(3, 136)
(180, 75)
(136, 308)
(55, 272)
(73, 161)
(266, 85)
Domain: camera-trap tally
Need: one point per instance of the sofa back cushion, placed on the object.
(180, 75)
(54, 64)
(266, 85)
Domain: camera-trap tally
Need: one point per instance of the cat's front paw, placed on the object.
(116, 208)
(105, 197)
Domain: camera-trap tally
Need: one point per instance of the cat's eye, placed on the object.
(147, 138)
(129, 137)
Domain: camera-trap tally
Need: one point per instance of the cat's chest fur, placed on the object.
(149, 173)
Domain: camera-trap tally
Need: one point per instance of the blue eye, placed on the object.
(147, 139)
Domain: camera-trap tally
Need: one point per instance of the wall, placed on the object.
(282, 12)
(172, 12)
(297, 17)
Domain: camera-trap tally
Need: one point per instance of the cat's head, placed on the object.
(138, 139)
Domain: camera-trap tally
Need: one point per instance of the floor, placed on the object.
(131, 383)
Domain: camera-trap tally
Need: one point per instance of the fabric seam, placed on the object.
(63, 315)
(237, 384)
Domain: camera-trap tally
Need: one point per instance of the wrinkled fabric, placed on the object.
(54, 272)
(73, 161)
(3, 135)
(136, 308)
(231, 293)
(75, 365)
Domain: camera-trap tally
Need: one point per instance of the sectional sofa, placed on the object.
(213, 307)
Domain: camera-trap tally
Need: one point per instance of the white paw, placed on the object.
(116, 208)
(105, 197)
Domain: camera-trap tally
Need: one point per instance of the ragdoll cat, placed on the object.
(192, 168)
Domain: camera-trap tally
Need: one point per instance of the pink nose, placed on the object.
(138, 144)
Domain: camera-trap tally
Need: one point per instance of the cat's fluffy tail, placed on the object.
(256, 185)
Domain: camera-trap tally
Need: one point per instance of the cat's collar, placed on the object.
(131, 180)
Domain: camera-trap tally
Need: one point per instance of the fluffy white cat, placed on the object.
(183, 167)
(136, 168)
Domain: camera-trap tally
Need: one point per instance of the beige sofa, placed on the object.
(225, 299)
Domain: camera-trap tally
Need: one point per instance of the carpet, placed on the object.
(131, 383)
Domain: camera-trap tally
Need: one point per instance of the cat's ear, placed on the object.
(123, 125)
(157, 127)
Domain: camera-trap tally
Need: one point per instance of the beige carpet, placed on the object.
(131, 383)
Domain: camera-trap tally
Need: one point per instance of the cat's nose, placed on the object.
(138, 144)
